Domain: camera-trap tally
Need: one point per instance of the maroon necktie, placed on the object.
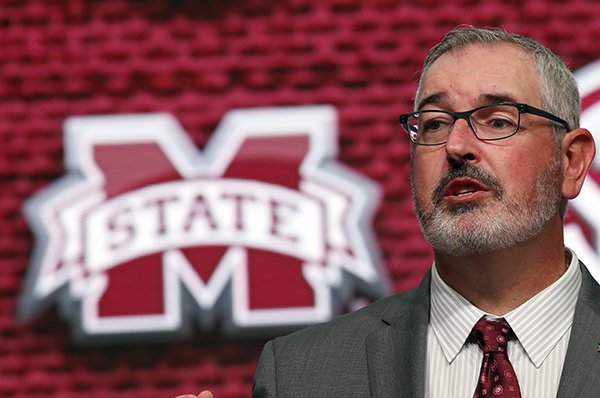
(497, 377)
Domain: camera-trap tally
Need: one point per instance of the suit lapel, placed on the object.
(396, 352)
(582, 363)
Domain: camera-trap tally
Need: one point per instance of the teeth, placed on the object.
(463, 193)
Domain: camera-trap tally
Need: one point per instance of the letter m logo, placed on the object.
(145, 236)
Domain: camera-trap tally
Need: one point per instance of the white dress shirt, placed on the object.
(542, 325)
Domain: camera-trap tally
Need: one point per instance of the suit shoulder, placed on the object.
(331, 358)
(354, 325)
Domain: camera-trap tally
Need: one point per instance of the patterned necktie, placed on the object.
(497, 377)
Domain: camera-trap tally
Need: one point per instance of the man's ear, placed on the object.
(577, 153)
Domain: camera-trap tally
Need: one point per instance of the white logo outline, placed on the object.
(73, 285)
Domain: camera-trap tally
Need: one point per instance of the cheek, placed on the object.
(428, 166)
(522, 168)
(424, 180)
(521, 172)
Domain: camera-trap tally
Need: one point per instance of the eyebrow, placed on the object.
(432, 99)
(488, 99)
(484, 99)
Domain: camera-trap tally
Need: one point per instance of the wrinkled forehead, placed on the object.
(503, 68)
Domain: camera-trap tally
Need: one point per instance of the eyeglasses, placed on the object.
(489, 123)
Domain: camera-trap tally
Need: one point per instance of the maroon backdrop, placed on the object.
(199, 59)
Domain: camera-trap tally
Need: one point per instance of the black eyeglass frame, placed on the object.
(522, 108)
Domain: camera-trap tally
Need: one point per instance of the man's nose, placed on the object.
(462, 142)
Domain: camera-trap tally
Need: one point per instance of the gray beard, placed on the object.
(474, 228)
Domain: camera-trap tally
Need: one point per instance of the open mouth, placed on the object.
(463, 193)
(464, 187)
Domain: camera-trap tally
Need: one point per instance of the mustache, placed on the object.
(459, 170)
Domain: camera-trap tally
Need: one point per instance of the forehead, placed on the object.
(467, 76)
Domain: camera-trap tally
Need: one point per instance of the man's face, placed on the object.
(472, 196)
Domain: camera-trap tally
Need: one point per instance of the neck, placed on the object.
(500, 281)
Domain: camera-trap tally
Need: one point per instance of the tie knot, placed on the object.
(491, 336)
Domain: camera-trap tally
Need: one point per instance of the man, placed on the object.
(496, 154)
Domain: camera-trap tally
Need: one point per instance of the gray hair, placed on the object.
(559, 93)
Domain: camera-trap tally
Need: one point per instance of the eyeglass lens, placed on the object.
(489, 123)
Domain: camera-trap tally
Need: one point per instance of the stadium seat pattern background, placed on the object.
(199, 59)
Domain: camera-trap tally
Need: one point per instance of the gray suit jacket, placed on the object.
(380, 351)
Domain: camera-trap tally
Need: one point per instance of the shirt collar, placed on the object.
(539, 323)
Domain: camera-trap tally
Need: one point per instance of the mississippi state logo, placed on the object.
(146, 236)
(582, 232)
